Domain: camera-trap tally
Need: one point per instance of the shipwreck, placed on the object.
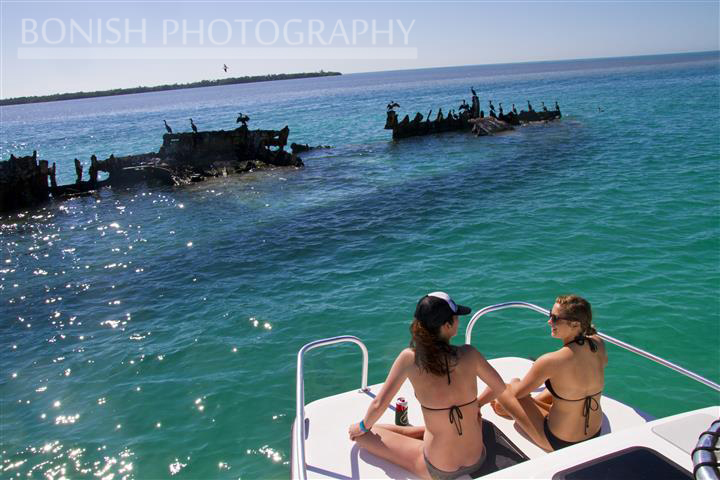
(469, 117)
(183, 158)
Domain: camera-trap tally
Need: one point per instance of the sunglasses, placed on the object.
(555, 319)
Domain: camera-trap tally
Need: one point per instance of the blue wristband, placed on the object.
(362, 426)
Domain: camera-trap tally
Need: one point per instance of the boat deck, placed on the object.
(329, 453)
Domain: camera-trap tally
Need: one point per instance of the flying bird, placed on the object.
(167, 127)
(225, 67)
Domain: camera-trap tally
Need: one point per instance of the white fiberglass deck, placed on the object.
(329, 453)
(673, 437)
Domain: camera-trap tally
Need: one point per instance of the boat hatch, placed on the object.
(638, 463)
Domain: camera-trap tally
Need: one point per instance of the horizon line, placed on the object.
(398, 70)
(545, 61)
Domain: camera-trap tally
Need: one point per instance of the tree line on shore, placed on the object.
(175, 86)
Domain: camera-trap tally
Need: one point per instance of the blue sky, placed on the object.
(442, 34)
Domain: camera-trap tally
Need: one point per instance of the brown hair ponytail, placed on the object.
(432, 353)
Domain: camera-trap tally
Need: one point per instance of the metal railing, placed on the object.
(607, 338)
(299, 427)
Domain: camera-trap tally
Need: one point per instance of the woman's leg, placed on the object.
(544, 401)
(536, 411)
(536, 415)
(396, 448)
(408, 431)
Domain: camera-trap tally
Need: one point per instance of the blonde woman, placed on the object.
(568, 411)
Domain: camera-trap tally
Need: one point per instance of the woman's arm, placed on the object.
(491, 378)
(536, 376)
(486, 396)
(538, 373)
(397, 376)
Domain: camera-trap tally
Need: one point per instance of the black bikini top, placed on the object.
(455, 413)
(580, 340)
(590, 403)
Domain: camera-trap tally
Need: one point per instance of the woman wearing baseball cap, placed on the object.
(444, 378)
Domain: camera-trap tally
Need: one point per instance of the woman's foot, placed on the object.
(499, 410)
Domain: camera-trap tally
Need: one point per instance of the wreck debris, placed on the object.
(304, 147)
(183, 158)
(23, 182)
(468, 118)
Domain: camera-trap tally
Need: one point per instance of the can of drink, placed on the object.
(401, 412)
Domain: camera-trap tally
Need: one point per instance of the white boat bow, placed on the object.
(630, 439)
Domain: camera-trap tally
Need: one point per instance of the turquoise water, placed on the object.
(153, 332)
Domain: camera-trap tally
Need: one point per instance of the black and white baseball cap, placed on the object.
(437, 308)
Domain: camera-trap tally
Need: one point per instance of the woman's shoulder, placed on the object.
(407, 355)
(556, 356)
(467, 350)
(470, 354)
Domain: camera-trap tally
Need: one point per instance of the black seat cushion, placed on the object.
(501, 452)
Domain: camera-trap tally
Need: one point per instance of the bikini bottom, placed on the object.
(558, 443)
(437, 474)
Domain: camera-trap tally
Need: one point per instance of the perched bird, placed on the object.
(557, 107)
(167, 127)
(192, 125)
(514, 110)
(501, 110)
(473, 92)
(530, 109)
(242, 119)
(225, 67)
(392, 105)
(544, 107)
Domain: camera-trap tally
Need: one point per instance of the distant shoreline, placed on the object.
(159, 88)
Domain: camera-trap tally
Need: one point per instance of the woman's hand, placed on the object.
(354, 431)
(485, 397)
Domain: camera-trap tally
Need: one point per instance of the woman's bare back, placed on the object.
(453, 430)
(581, 374)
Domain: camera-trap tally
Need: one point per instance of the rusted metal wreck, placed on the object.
(469, 117)
(182, 158)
